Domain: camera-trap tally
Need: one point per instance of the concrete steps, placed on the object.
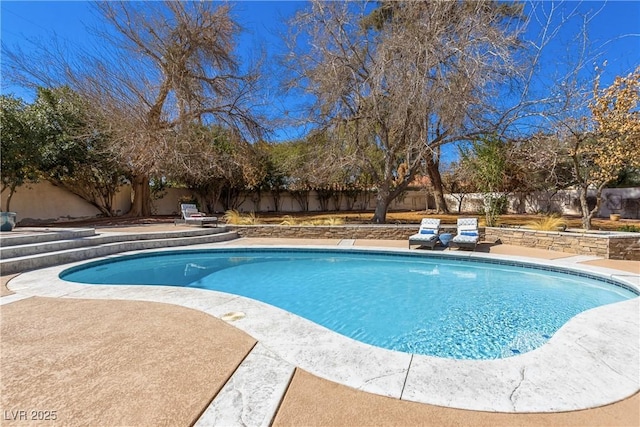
(34, 235)
(38, 250)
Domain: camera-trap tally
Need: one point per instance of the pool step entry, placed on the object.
(39, 250)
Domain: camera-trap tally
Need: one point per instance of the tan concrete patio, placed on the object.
(105, 362)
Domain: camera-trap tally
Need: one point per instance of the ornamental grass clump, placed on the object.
(334, 221)
(548, 223)
(234, 217)
(250, 219)
(289, 220)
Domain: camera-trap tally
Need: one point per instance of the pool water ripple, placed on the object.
(446, 308)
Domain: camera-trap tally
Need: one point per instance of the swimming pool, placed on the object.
(444, 307)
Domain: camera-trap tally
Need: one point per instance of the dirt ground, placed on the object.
(349, 217)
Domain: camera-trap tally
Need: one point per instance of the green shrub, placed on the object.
(629, 228)
(494, 207)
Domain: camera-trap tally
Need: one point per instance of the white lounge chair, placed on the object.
(191, 216)
(468, 235)
(427, 235)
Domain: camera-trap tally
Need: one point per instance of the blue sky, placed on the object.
(616, 27)
(68, 20)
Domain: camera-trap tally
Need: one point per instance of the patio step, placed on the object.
(33, 235)
(31, 256)
(71, 240)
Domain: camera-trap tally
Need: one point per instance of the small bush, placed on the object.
(494, 207)
(629, 228)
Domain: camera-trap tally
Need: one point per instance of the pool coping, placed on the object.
(591, 361)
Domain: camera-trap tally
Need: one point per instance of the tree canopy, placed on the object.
(163, 67)
(19, 149)
(405, 78)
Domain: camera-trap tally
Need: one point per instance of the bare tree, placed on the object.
(409, 78)
(581, 141)
(458, 182)
(161, 67)
(217, 164)
(604, 144)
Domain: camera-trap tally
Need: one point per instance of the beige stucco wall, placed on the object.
(44, 201)
(169, 203)
(411, 200)
(625, 201)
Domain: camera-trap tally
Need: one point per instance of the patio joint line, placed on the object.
(202, 412)
(346, 242)
(404, 384)
(8, 299)
(286, 390)
(253, 393)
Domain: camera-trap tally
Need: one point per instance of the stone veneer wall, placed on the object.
(386, 231)
(378, 232)
(624, 246)
(617, 246)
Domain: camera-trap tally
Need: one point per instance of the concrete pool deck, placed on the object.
(307, 399)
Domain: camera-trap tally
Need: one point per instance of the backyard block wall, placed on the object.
(43, 201)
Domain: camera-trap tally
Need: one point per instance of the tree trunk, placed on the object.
(275, 195)
(380, 214)
(255, 198)
(586, 219)
(12, 190)
(433, 170)
(584, 207)
(460, 201)
(522, 203)
(141, 203)
(383, 198)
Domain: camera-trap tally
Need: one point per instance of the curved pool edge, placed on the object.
(591, 361)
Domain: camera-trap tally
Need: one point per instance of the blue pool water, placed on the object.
(442, 307)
